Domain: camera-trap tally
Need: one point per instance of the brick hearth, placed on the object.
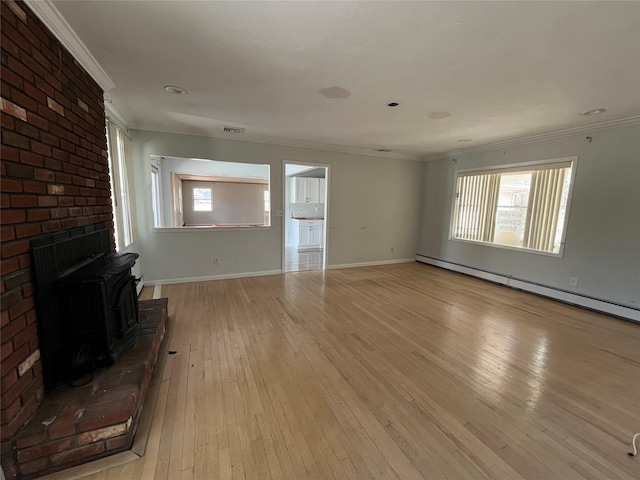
(77, 425)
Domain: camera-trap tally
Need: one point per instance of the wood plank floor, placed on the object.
(394, 372)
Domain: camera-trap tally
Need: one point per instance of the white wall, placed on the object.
(603, 235)
(374, 205)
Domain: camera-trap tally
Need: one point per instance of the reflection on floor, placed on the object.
(295, 261)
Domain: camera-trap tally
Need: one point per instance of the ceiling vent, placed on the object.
(228, 129)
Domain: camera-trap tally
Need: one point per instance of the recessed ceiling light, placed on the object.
(175, 89)
(597, 111)
(393, 104)
(464, 140)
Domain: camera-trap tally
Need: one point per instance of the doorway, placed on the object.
(306, 190)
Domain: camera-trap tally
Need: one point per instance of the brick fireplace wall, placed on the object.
(54, 177)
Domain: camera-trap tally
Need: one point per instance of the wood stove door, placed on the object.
(125, 308)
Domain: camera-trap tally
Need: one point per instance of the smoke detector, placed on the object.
(228, 129)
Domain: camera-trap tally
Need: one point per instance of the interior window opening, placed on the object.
(208, 193)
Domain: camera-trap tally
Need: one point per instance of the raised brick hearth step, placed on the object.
(78, 425)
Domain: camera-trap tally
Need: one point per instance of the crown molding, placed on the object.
(116, 113)
(283, 142)
(597, 127)
(46, 11)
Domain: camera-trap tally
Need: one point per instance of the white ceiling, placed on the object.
(502, 70)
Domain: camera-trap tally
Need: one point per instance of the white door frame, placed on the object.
(325, 231)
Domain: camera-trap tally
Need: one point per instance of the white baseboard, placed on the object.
(208, 278)
(591, 303)
(140, 285)
(370, 264)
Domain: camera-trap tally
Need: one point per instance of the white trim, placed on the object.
(563, 162)
(209, 228)
(46, 11)
(157, 291)
(208, 278)
(140, 285)
(370, 264)
(591, 303)
(115, 115)
(598, 127)
(325, 229)
(560, 254)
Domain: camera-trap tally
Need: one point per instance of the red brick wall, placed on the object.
(54, 177)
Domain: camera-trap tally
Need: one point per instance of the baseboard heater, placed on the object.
(139, 284)
(591, 303)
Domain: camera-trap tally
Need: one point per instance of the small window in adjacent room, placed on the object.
(523, 207)
(202, 200)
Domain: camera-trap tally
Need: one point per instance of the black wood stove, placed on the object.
(100, 309)
(86, 303)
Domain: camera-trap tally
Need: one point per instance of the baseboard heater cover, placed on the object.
(596, 304)
(139, 284)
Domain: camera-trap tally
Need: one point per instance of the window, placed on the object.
(156, 196)
(202, 200)
(119, 149)
(267, 206)
(523, 207)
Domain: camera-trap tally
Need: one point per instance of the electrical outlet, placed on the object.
(216, 261)
(573, 281)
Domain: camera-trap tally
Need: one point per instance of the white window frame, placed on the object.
(119, 148)
(156, 195)
(516, 168)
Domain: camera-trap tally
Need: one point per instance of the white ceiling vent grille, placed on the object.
(228, 129)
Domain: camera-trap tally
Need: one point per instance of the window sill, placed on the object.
(560, 254)
(212, 228)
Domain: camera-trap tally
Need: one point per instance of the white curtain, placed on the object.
(545, 196)
(120, 148)
(476, 205)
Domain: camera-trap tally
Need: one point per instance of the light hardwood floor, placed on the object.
(394, 372)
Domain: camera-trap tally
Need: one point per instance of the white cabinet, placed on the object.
(323, 193)
(300, 190)
(308, 190)
(316, 233)
(308, 234)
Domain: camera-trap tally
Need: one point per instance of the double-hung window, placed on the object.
(524, 206)
(120, 147)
